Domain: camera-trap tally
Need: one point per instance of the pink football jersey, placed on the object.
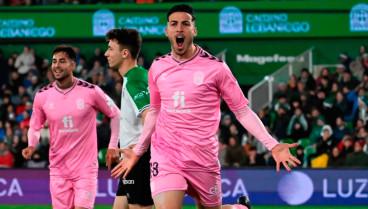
(71, 114)
(188, 93)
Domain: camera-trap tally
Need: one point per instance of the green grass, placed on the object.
(193, 207)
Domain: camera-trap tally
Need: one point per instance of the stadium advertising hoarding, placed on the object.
(259, 37)
(216, 20)
(265, 187)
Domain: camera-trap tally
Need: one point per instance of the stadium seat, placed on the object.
(287, 140)
(304, 142)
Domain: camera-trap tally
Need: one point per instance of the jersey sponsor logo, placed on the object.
(140, 95)
(80, 104)
(198, 78)
(68, 125)
(125, 181)
(179, 96)
(179, 101)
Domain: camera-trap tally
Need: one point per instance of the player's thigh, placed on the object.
(120, 202)
(85, 188)
(169, 199)
(205, 188)
(62, 195)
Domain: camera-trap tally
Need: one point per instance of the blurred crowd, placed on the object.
(326, 114)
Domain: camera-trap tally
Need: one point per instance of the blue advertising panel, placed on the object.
(264, 187)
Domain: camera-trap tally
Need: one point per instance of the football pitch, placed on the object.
(193, 207)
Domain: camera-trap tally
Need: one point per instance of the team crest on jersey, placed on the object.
(80, 104)
(198, 78)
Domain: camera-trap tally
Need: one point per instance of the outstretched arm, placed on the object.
(131, 156)
(254, 125)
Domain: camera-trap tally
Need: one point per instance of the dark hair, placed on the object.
(67, 49)
(127, 38)
(181, 8)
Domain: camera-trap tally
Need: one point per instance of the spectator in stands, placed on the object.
(15, 82)
(358, 158)
(317, 121)
(38, 60)
(98, 56)
(298, 125)
(16, 149)
(265, 118)
(346, 145)
(325, 73)
(34, 87)
(282, 121)
(340, 105)
(235, 132)
(254, 159)
(353, 101)
(340, 129)
(292, 87)
(24, 61)
(96, 69)
(222, 153)
(305, 104)
(80, 67)
(337, 75)
(44, 68)
(335, 159)
(324, 85)
(362, 135)
(225, 128)
(235, 154)
(282, 102)
(6, 157)
(141, 61)
(11, 62)
(20, 98)
(282, 90)
(307, 79)
(348, 80)
(10, 114)
(325, 143)
(345, 60)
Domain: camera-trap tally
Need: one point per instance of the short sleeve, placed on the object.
(155, 97)
(104, 103)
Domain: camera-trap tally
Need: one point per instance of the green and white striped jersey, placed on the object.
(134, 99)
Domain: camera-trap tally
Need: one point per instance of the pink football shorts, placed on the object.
(68, 193)
(204, 187)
